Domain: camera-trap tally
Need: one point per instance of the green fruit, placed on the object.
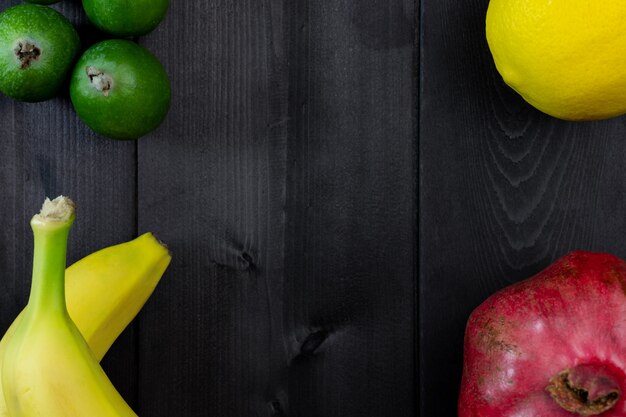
(37, 48)
(124, 17)
(120, 90)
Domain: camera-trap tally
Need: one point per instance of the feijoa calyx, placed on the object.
(120, 90)
(38, 46)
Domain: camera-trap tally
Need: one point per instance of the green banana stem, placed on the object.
(51, 228)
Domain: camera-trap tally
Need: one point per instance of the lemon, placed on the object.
(565, 57)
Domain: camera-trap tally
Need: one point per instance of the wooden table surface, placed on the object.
(340, 182)
(284, 181)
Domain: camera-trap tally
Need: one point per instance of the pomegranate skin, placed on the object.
(553, 345)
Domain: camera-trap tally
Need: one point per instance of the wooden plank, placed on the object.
(350, 230)
(283, 183)
(504, 190)
(211, 185)
(46, 151)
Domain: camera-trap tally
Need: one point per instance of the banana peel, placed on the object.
(104, 292)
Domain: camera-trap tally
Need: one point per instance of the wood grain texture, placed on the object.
(350, 233)
(504, 189)
(211, 182)
(46, 151)
(283, 183)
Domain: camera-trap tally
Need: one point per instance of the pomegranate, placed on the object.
(553, 345)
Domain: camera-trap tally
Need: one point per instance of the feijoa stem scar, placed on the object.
(100, 80)
(26, 52)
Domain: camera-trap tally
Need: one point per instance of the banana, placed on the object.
(48, 368)
(105, 291)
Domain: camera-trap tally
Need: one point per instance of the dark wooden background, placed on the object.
(284, 181)
(341, 183)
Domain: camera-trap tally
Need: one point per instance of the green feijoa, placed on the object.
(124, 17)
(120, 90)
(38, 46)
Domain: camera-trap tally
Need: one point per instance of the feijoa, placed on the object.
(126, 18)
(38, 46)
(120, 90)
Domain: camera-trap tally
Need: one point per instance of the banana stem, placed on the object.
(51, 228)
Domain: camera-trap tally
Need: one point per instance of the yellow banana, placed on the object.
(47, 367)
(105, 291)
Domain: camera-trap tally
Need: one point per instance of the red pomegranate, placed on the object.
(553, 345)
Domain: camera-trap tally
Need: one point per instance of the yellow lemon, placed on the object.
(565, 57)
